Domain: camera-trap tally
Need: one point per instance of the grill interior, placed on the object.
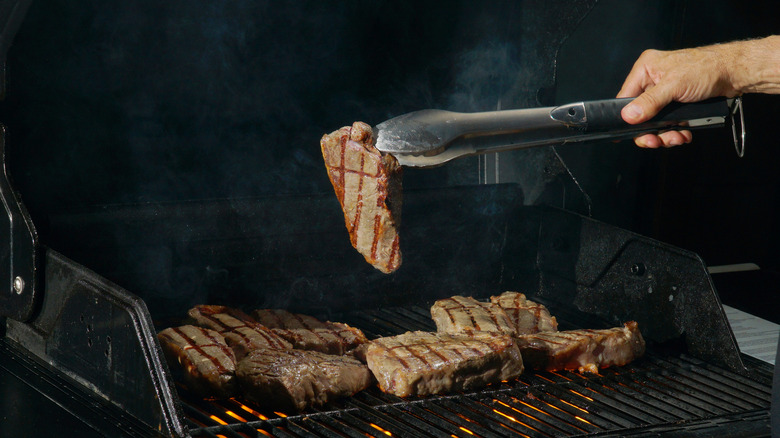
(662, 392)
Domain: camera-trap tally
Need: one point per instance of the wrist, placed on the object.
(754, 66)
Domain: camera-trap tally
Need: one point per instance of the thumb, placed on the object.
(647, 105)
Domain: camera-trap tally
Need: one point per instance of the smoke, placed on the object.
(155, 102)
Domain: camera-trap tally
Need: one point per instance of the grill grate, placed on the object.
(664, 391)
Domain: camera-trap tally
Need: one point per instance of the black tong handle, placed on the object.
(604, 115)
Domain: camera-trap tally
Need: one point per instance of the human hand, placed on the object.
(659, 77)
(690, 75)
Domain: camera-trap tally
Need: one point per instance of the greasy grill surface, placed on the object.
(662, 392)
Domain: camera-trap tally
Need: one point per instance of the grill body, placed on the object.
(94, 334)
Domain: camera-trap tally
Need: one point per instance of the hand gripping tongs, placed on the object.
(432, 137)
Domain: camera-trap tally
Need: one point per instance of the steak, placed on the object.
(308, 333)
(294, 380)
(583, 350)
(527, 316)
(242, 333)
(422, 363)
(368, 186)
(465, 315)
(202, 358)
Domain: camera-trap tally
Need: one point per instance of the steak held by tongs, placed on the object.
(368, 186)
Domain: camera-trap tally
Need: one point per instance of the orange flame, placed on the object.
(386, 432)
(218, 420)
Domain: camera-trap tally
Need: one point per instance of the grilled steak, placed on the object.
(309, 333)
(465, 315)
(293, 380)
(421, 363)
(242, 333)
(527, 316)
(582, 350)
(368, 187)
(206, 363)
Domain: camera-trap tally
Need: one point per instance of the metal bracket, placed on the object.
(18, 251)
(739, 140)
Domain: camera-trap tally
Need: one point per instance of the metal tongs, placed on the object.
(431, 137)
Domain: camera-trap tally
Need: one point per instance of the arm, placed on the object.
(690, 75)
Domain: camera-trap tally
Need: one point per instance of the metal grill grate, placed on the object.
(663, 391)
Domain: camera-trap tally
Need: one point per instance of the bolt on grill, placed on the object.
(663, 391)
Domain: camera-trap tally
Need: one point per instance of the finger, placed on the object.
(671, 139)
(635, 83)
(648, 141)
(638, 79)
(647, 104)
(675, 138)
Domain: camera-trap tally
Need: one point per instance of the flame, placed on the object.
(583, 420)
(511, 418)
(280, 414)
(572, 405)
(535, 409)
(253, 412)
(218, 420)
(466, 430)
(386, 432)
(264, 432)
(581, 395)
(233, 414)
(544, 378)
(561, 376)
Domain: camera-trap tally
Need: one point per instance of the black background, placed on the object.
(127, 102)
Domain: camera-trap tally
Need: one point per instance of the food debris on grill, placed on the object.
(368, 186)
(527, 317)
(308, 333)
(459, 315)
(582, 350)
(206, 362)
(422, 363)
(242, 333)
(295, 380)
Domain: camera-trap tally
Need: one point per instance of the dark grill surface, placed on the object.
(662, 392)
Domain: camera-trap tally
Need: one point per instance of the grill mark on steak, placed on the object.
(585, 350)
(368, 186)
(241, 331)
(441, 362)
(465, 315)
(193, 345)
(311, 329)
(394, 249)
(308, 333)
(377, 224)
(217, 318)
(359, 203)
(526, 316)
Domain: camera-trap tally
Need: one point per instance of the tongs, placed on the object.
(432, 137)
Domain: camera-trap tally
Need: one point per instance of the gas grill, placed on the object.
(85, 298)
